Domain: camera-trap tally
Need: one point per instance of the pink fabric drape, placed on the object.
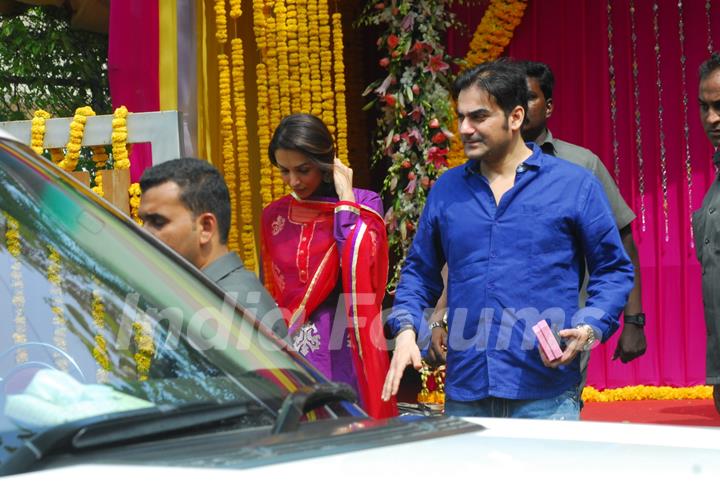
(572, 37)
(133, 66)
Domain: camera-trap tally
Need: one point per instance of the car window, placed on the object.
(96, 319)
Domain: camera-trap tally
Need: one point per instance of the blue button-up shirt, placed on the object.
(510, 265)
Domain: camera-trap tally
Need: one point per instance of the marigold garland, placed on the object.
(145, 347)
(315, 87)
(100, 157)
(641, 392)
(220, 21)
(37, 131)
(119, 138)
(228, 141)
(134, 192)
(247, 235)
(99, 352)
(492, 35)
(293, 52)
(235, 9)
(281, 50)
(304, 56)
(57, 304)
(341, 134)
(12, 241)
(327, 93)
(77, 130)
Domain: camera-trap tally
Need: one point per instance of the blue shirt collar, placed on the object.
(533, 162)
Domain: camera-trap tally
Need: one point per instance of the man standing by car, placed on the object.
(185, 203)
(513, 225)
(706, 223)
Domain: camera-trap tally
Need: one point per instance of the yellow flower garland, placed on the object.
(12, 240)
(37, 131)
(100, 157)
(341, 134)
(235, 8)
(640, 392)
(304, 56)
(294, 86)
(491, 37)
(119, 138)
(220, 21)
(247, 235)
(281, 43)
(327, 95)
(57, 306)
(135, 193)
(145, 347)
(77, 130)
(315, 87)
(228, 141)
(99, 351)
(274, 88)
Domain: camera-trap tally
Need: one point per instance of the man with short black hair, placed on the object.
(186, 204)
(706, 222)
(513, 225)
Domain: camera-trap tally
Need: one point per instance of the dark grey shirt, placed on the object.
(706, 229)
(585, 158)
(242, 285)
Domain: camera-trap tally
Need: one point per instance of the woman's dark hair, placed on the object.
(307, 134)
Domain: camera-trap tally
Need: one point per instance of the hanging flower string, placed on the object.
(54, 270)
(100, 157)
(37, 131)
(119, 138)
(247, 235)
(134, 192)
(12, 240)
(144, 347)
(77, 130)
(99, 351)
(341, 134)
(492, 35)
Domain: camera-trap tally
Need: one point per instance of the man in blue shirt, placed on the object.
(513, 225)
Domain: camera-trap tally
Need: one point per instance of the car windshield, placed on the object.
(97, 320)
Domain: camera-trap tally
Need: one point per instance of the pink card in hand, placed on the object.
(547, 340)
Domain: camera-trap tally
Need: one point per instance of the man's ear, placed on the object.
(207, 225)
(516, 118)
(548, 108)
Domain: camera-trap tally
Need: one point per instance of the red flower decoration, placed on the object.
(436, 64)
(439, 138)
(392, 41)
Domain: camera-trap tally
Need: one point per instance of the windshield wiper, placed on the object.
(122, 427)
(307, 398)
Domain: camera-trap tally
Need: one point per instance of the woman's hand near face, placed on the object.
(343, 177)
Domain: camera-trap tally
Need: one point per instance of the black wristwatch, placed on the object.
(636, 319)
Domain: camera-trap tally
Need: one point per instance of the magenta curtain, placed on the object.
(133, 66)
(572, 37)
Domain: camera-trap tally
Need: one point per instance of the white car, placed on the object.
(119, 360)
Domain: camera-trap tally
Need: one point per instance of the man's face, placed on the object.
(168, 219)
(539, 110)
(709, 99)
(483, 126)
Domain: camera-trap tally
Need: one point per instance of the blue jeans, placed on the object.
(565, 406)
